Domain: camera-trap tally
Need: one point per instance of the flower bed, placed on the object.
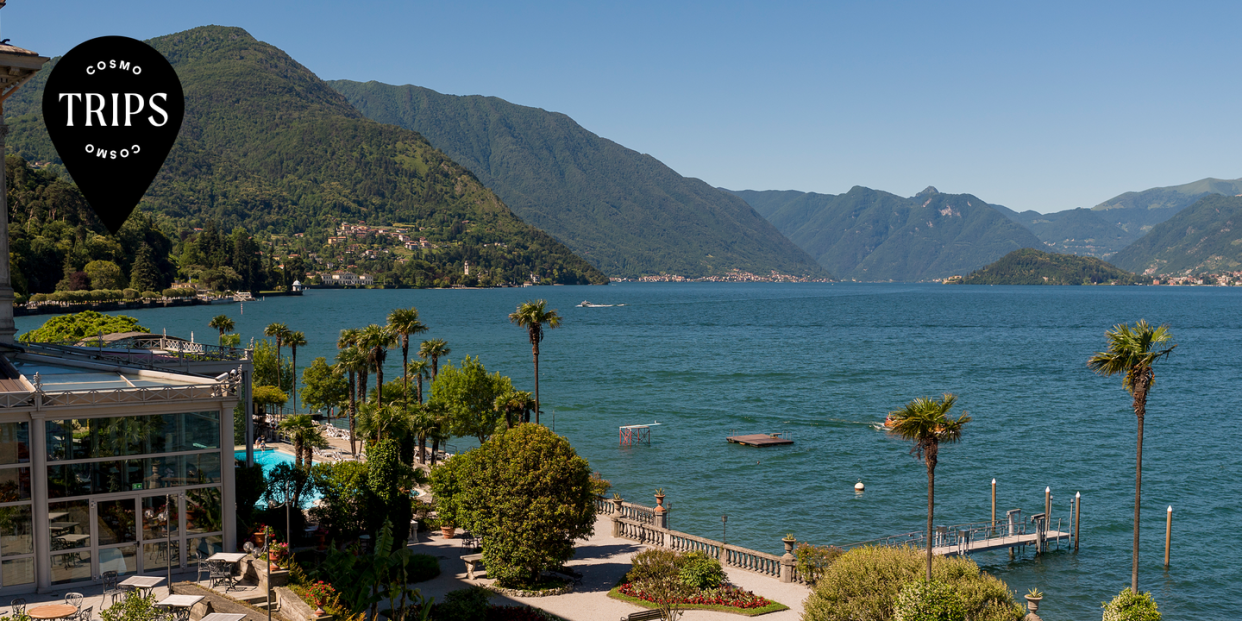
(727, 598)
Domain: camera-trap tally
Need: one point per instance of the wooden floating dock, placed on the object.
(760, 439)
(997, 543)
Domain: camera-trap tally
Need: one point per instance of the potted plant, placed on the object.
(322, 593)
(448, 529)
(1033, 597)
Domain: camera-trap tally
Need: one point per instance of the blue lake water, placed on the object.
(824, 362)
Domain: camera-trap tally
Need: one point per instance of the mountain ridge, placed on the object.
(268, 146)
(624, 211)
(872, 235)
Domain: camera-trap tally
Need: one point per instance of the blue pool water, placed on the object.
(269, 459)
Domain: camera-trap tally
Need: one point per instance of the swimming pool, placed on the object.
(269, 459)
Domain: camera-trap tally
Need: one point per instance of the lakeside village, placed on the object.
(382, 518)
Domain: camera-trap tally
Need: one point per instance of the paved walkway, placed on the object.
(602, 560)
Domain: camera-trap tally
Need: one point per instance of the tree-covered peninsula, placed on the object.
(1029, 266)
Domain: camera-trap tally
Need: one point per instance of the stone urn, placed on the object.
(617, 505)
(789, 542)
(659, 503)
(1032, 603)
(448, 531)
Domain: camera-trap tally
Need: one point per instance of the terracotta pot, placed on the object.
(448, 531)
(319, 612)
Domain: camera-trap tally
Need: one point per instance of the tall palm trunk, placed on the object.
(931, 503)
(353, 411)
(295, 379)
(297, 451)
(1140, 411)
(534, 348)
(405, 371)
(379, 383)
(420, 386)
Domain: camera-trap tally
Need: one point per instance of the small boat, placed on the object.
(586, 304)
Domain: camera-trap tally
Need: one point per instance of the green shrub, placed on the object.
(700, 571)
(928, 601)
(528, 494)
(864, 583)
(39, 297)
(463, 605)
(132, 608)
(130, 294)
(423, 567)
(813, 561)
(150, 295)
(1131, 606)
(183, 292)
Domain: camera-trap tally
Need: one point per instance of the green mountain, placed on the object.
(268, 146)
(626, 212)
(1036, 267)
(1199, 239)
(872, 235)
(1114, 224)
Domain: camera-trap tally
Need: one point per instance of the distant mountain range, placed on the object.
(626, 212)
(1204, 237)
(269, 146)
(1117, 222)
(872, 235)
(1036, 267)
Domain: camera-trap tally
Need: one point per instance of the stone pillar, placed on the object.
(42, 532)
(247, 381)
(616, 525)
(661, 514)
(789, 563)
(7, 329)
(227, 464)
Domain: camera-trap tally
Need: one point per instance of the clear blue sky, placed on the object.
(1044, 106)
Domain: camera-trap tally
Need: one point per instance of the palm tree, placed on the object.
(384, 420)
(419, 369)
(1131, 354)
(277, 331)
(349, 360)
(433, 350)
(925, 422)
(532, 316)
(374, 342)
(314, 439)
(422, 424)
(403, 322)
(295, 340)
(223, 324)
(518, 402)
(298, 427)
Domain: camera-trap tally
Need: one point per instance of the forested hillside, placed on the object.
(1203, 238)
(871, 235)
(626, 212)
(267, 146)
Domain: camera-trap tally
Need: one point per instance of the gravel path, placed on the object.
(602, 560)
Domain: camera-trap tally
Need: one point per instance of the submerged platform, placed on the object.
(760, 439)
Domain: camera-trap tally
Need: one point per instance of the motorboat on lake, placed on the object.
(586, 304)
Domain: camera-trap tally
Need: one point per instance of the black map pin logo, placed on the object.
(113, 107)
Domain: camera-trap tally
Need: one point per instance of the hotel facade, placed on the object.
(108, 465)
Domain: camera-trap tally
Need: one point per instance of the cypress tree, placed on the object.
(144, 276)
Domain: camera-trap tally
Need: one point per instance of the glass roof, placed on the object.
(59, 378)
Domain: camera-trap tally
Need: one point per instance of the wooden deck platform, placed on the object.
(759, 439)
(997, 543)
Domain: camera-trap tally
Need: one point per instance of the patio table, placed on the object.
(52, 611)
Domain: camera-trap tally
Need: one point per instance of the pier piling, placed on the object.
(1168, 534)
(993, 500)
(1077, 517)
